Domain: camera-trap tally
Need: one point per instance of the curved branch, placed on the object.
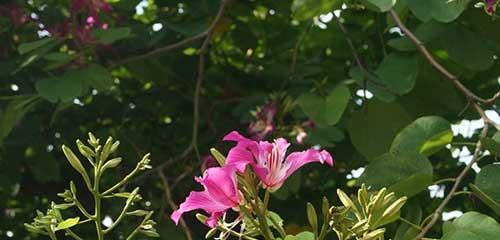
(173, 206)
(472, 98)
(422, 49)
(201, 74)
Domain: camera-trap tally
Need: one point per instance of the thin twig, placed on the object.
(297, 48)
(422, 49)
(474, 101)
(201, 74)
(354, 52)
(173, 206)
(161, 50)
(437, 213)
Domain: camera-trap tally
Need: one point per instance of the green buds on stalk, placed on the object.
(52, 221)
(312, 217)
(372, 211)
(76, 164)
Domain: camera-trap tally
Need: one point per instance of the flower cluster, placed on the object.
(490, 6)
(85, 16)
(270, 165)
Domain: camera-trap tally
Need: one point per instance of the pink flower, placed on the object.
(269, 160)
(263, 125)
(490, 6)
(93, 7)
(220, 194)
(15, 13)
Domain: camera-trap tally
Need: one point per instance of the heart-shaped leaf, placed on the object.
(325, 111)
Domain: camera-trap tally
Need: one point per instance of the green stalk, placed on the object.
(136, 230)
(52, 235)
(261, 214)
(97, 201)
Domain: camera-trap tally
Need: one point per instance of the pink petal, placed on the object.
(242, 141)
(197, 200)
(236, 137)
(262, 173)
(239, 157)
(212, 220)
(282, 145)
(221, 184)
(298, 159)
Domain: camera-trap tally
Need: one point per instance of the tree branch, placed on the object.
(196, 98)
(161, 50)
(296, 49)
(171, 203)
(451, 77)
(201, 74)
(437, 213)
(472, 98)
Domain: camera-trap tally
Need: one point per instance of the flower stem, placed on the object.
(266, 200)
(236, 234)
(97, 202)
(52, 235)
(410, 223)
(136, 230)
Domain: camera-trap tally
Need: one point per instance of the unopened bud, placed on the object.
(211, 233)
(202, 218)
(312, 217)
(218, 156)
(394, 208)
(377, 234)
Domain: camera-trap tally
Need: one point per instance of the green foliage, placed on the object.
(426, 136)
(405, 173)
(326, 111)
(439, 10)
(61, 77)
(486, 188)
(472, 225)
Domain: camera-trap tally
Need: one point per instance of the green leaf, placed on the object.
(325, 137)
(373, 129)
(426, 135)
(74, 83)
(472, 225)
(326, 111)
(58, 59)
(427, 96)
(301, 236)
(404, 173)
(441, 39)
(439, 10)
(492, 144)
(62, 88)
(108, 36)
(30, 46)
(487, 183)
(307, 9)
(373, 84)
(495, 206)
(14, 112)
(97, 77)
(70, 222)
(381, 5)
(398, 72)
(413, 213)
